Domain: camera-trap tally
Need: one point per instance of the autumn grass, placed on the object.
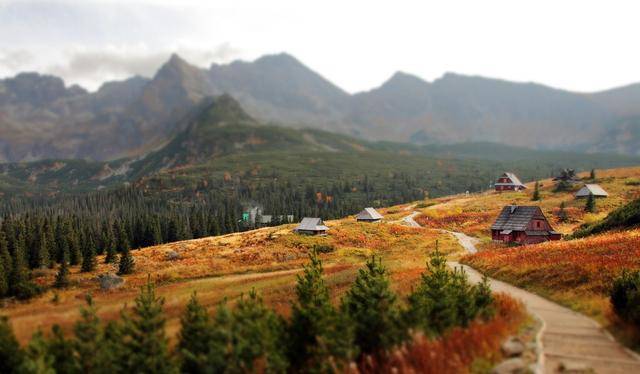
(473, 214)
(226, 266)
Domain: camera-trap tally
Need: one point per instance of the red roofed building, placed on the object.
(509, 182)
(523, 225)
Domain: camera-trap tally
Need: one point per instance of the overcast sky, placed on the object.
(576, 45)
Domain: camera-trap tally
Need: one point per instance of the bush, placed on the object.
(323, 248)
(625, 297)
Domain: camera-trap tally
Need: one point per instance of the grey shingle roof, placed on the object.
(311, 224)
(514, 180)
(369, 213)
(595, 189)
(516, 218)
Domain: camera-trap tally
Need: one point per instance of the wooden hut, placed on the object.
(591, 189)
(311, 226)
(369, 215)
(509, 182)
(522, 225)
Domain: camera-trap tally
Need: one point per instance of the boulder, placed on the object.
(510, 366)
(110, 281)
(172, 256)
(574, 367)
(513, 347)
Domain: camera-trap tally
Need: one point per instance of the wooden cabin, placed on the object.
(522, 225)
(591, 189)
(311, 226)
(369, 215)
(509, 182)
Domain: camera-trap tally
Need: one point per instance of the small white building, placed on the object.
(589, 189)
(369, 215)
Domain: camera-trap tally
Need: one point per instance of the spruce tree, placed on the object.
(126, 265)
(219, 351)
(37, 358)
(62, 277)
(62, 352)
(195, 337)
(590, 205)
(373, 310)
(592, 175)
(5, 265)
(536, 192)
(88, 342)
(144, 343)
(88, 255)
(20, 285)
(11, 355)
(317, 332)
(257, 334)
(562, 213)
(431, 306)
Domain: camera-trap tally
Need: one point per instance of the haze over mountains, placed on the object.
(42, 118)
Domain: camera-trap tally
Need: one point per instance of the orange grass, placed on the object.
(454, 352)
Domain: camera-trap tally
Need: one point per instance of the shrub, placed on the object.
(625, 296)
(323, 248)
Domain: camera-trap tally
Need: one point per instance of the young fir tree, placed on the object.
(11, 355)
(5, 265)
(536, 192)
(126, 265)
(144, 343)
(195, 337)
(431, 306)
(88, 255)
(219, 351)
(37, 358)
(592, 175)
(62, 352)
(320, 338)
(257, 334)
(88, 343)
(562, 213)
(62, 277)
(372, 308)
(590, 205)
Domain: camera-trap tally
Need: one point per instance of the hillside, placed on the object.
(41, 118)
(220, 142)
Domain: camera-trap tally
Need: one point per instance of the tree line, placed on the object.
(319, 336)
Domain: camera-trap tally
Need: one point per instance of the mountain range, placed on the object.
(42, 118)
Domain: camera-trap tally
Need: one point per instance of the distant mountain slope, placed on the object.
(219, 142)
(42, 118)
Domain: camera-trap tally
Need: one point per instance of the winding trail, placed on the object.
(566, 337)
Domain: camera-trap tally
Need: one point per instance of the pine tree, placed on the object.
(256, 337)
(317, 332)
(536, 192)
(19, 284)
(126, 265)
(88, 255)
(221, 340)
(62, 277)
(88, 338)
(5, 265)
(372, 308)
(144, 342)
(62, 352)
(562, 213)
(11, 355)
(590, 205)
(195, 337)
(38, 359)
(592, 175)
(431, 306)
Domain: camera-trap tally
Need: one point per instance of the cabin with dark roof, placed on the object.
(311, 226)
(509, 182)
(369, 215)
(523, 225)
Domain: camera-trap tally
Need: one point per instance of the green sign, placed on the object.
(245, 216)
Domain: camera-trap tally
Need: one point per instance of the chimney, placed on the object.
(512, 208)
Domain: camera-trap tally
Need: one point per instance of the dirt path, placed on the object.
(566, 337)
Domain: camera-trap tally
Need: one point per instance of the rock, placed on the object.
(172, 255)
(574, 367)
(510, 366)
(512, 347)
(110, 281)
